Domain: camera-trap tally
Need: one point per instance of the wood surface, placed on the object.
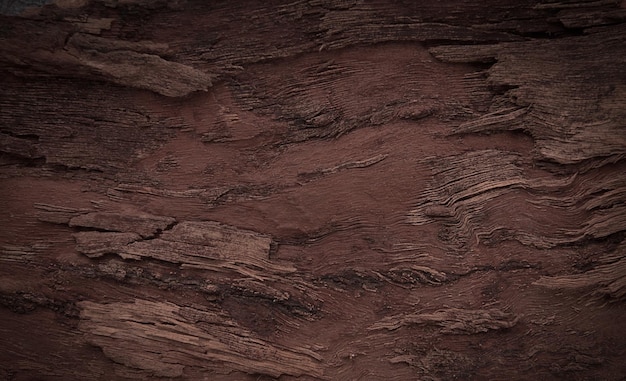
(313, 190)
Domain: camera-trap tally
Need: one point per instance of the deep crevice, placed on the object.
(12, 159)
(30, 137)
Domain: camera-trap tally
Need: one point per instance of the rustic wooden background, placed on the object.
(304, 190)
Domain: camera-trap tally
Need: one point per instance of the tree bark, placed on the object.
(313, 190)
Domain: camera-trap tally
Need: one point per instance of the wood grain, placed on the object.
(313, 190)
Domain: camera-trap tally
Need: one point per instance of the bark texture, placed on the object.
(313, 190)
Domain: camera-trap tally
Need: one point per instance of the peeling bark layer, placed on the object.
(313, 190)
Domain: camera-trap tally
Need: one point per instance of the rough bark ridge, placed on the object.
(333, 190)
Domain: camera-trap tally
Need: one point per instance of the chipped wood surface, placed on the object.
(313, 190)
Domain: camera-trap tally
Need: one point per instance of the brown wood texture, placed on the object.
(313, 190)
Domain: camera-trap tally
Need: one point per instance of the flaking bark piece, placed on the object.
(146, 225)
